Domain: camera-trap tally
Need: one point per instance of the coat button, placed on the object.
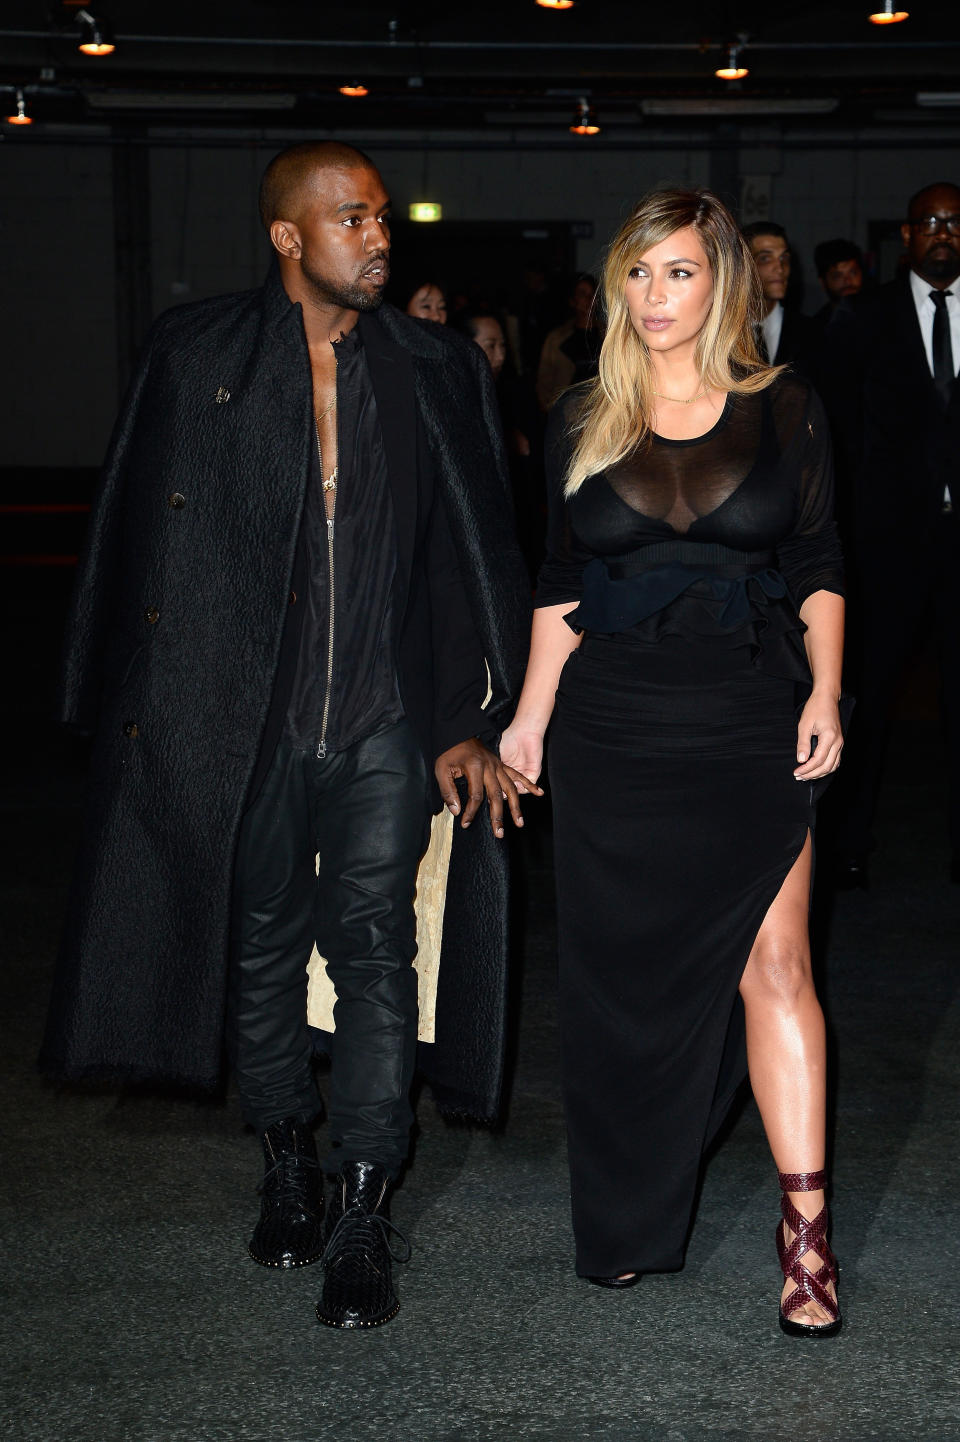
(176, 500)
(293, 598)
(151, 614)
(131, 729)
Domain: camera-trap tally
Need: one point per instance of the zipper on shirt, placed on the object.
(331, 601)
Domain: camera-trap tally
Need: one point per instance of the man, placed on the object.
(571, 352)
(839, 265)
(785, 334)
(900, 352)
(300, 586)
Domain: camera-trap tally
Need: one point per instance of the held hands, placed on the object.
(485, 775)
(522, 751)
(819, 738)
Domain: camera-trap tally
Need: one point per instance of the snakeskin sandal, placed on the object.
(809, 1236)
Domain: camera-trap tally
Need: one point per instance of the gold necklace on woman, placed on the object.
(678, 401)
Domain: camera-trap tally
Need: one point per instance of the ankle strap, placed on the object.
(802, 1181)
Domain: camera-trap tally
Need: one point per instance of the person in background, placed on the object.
(428, 302)
(839, 266)
(485, 328)
(521, 426)
(785, 336)
(897, 357)
(571, 351)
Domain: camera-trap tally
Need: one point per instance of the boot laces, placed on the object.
(292, 1172)
(358, 1233)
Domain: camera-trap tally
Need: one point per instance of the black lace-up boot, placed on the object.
(290, 1230)
(358, 1260)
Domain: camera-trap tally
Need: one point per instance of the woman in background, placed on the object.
(428, 302)
(691, 595)
(522, 429)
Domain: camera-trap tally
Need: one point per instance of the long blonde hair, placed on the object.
(614, 413)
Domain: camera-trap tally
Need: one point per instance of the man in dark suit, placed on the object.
(785, 335)
(898, 401)
(301, 608)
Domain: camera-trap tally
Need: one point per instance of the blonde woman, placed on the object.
(687, 644)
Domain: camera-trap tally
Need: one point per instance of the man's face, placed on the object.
(934, 253)
(843, 279)
(772, 255)
(341, 237)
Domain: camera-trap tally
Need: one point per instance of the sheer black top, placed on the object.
(736, 520)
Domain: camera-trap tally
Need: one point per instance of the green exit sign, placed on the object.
(425, 210)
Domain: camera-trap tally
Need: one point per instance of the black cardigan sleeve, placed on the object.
(810, 557)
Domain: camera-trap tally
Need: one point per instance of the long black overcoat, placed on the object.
(173, 647)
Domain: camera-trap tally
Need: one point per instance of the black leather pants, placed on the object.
(363, 812)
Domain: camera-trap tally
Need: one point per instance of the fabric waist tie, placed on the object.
(705, 557)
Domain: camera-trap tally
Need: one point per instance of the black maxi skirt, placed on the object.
(676, 822)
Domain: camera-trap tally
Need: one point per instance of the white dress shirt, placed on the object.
(926, 310)
(772, 327)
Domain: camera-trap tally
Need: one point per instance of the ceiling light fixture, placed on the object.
(21, 117)
(733, 70)
(584, 119)
(95, 36)
(555, 4)
(886, 15)
(354, 91)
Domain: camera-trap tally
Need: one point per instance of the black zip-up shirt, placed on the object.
(346, 691)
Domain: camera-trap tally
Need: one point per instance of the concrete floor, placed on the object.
(132, 1313)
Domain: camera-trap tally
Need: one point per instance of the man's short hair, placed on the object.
(287, 175)
(831, 252)
(762, 227)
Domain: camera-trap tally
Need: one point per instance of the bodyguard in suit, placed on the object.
(899, 398)
(785, 336)
(301, 614)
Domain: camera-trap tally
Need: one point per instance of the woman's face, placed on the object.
(669, 292)
(489, 337)
(428, 303)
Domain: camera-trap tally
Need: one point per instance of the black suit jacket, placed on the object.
(796, 344)
(902, 445)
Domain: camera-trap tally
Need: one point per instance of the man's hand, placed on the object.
(485, 775)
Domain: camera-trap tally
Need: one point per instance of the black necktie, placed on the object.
(943, 367)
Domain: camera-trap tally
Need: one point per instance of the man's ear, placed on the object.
(905, 234)
(285, 238)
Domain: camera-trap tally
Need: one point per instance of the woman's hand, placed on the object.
(522, 752)
(819, 738)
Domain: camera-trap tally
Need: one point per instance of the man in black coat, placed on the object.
(896, 398)
(300, 609)
(785, 336)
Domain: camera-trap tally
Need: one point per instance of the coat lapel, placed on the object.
(391, 375)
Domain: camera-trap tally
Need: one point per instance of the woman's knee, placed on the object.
(778, 970)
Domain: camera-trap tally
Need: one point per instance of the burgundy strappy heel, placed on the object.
(809, 1236)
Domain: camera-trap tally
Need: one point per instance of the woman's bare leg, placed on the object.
(786, 1049)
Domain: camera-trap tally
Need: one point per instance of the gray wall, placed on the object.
(64, 325)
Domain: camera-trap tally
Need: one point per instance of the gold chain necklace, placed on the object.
(677, 400)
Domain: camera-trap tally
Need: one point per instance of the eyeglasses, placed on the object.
(930, 224)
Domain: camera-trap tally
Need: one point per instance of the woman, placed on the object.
(428, 302)
(519, 420)
(691, 518)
